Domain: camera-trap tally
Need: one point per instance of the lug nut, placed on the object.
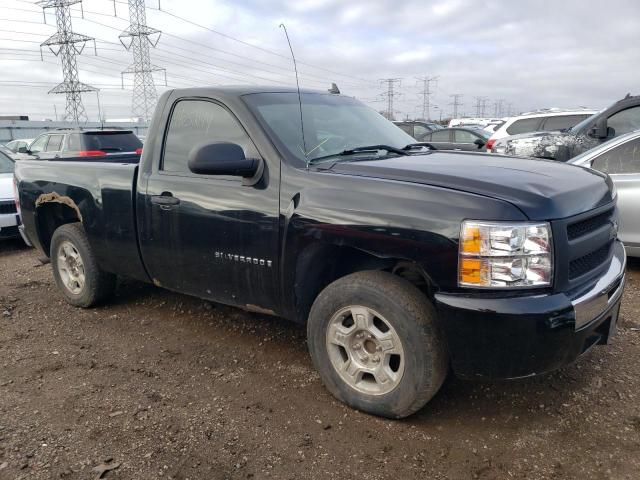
(357, 346)
(359, 335)
(376, 359)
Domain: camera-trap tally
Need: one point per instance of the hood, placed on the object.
(542, 190)
(6, 186)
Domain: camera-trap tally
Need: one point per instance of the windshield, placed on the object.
(332, 124)
(6, 164)
(581, 125)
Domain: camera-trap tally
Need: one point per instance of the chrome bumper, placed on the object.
(605, 293)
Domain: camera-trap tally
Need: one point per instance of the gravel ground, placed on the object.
(161, 385)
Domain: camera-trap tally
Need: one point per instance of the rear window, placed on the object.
(562, 122)
(110, 141)
(524, 125)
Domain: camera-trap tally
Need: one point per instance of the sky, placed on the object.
(527, 54)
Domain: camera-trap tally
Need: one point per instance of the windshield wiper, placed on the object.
(365, 149)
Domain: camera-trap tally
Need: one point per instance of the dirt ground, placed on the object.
(162, 385)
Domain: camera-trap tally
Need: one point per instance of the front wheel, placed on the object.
(374, 339)
(75, 268)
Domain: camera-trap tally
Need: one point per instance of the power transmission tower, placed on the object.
(481, 104)
(69, 44)
(497, 108)
(456, 103)
(137, 38)
(390, 94)
(426, 94)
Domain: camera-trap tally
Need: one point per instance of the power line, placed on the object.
(254, 62)
(207, 47)
(456, 103)
(390, 94)
(426, 94)
(272, 52)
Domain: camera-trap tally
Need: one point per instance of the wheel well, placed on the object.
(51, 216)
(319, 265)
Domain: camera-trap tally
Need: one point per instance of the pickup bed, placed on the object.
(403, 263)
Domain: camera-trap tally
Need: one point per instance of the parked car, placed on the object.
(404, 263)
(418, 129)
(111, 145)
(15, 145)
(542, 121)
(620, 118)
(9, 218)
(620, 159)
(458, 138)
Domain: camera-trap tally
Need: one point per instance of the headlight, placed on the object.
(501, 254)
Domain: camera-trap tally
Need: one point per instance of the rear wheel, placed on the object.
(75, 268)
(375, 341)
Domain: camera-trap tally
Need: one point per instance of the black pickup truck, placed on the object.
(404, 263)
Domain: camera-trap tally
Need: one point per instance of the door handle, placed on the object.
(165, 201)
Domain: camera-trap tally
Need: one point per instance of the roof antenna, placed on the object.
(295, 67)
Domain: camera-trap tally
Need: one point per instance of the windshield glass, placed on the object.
(6, 164)
(332, 124)
(580, 126)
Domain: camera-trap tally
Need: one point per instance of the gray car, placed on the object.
(620, 158)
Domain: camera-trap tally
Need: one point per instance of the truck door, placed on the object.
(205, 235)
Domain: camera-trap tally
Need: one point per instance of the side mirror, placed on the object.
(222, 158)
(23, 150)
(600, 129)
(479, 142)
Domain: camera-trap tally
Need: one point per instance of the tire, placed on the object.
(70, 241)
(356, 309)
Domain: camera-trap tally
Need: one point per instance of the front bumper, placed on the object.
(513, 337)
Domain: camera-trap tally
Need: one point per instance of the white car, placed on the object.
(543, 121)
(16, 145)
(9, 218)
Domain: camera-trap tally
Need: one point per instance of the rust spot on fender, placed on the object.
(54, 197)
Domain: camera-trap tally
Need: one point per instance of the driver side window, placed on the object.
(621, 159)
(440, 136)
(39, 144)
(194, 122)
(625, 121)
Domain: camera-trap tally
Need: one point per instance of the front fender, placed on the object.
(402, 222)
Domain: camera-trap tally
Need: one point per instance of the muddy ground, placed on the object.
(162, 385)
